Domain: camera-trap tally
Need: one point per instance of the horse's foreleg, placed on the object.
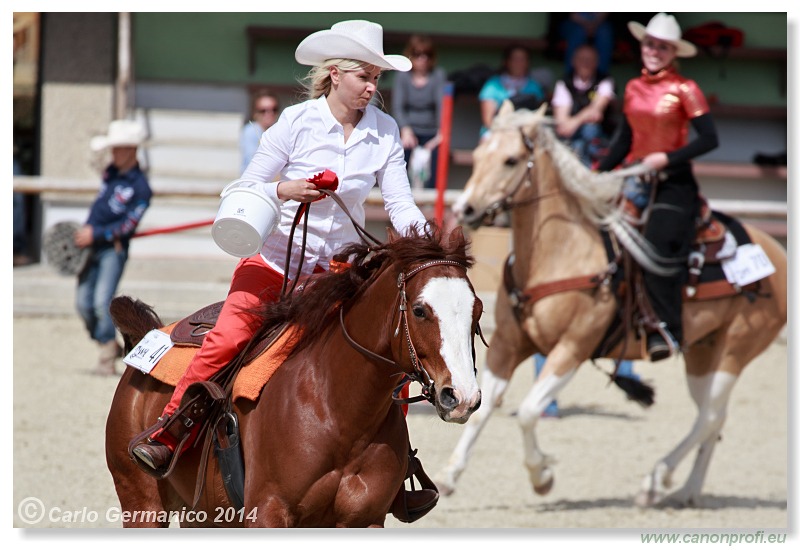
(492, 390)
(542, 393)
(717, 388)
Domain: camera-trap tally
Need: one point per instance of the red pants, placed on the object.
(253, 283)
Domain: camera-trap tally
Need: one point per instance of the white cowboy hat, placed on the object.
(664, 27)
(121, 133)
(356, 39)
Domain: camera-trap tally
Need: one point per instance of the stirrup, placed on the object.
(409, 506)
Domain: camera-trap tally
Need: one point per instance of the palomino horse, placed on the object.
(325, 444)
(557, 206)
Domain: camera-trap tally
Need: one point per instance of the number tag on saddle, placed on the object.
(750, 264)
(148, 351)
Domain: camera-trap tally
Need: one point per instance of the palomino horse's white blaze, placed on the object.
(452, 301)
(711, 394)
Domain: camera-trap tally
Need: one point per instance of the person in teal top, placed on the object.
(514, 82)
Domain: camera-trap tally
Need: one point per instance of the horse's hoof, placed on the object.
(648, 499)
(445, 489)
(684, 499)
(544, 489)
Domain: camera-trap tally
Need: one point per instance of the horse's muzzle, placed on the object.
(454, 407)
(468, 216)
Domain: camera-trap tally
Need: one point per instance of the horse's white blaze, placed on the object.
(452, 300)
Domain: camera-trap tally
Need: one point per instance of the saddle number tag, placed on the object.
(750, 264)
(148, 351)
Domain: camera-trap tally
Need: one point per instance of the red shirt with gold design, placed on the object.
(659, 107)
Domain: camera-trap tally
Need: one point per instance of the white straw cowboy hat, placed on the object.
(664, 27)
(121, 133)
(355, 39)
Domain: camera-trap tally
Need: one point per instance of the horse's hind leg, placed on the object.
(711, 392)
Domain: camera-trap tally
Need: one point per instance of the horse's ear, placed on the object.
(457, 237)
(392, 234)
(542, 109)
(506, 108)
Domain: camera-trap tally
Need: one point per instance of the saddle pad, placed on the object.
(251, 378)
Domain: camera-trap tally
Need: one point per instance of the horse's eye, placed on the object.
(511, 161)
(418, 311)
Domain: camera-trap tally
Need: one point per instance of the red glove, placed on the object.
(325, 180)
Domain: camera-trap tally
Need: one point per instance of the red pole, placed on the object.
(172, 229)
(443, 166)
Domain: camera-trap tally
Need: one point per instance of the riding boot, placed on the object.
(158, 450)
(109, 352)
(664, 294)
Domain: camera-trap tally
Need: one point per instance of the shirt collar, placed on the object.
(367, 125)
(663, 74)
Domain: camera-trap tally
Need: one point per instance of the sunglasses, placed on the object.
(270, 110)
(420, 54)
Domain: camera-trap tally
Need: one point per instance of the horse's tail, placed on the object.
(636, 390)
(133, 318)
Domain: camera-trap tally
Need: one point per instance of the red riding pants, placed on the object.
(252, 284)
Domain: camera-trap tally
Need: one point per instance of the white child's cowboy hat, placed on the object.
(356, 39)
(121, 133)
(664, 27)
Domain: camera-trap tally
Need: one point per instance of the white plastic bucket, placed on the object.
(244, 220)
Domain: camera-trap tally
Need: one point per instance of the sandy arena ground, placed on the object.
(603, 443)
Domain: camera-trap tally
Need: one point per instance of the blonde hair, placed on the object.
(318, 80)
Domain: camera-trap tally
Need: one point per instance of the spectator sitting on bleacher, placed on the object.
(417, 104)
(515, 82)
(583, 106)
(265, 110)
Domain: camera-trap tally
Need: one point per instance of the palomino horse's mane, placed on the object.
(597, 193)
(315, 309)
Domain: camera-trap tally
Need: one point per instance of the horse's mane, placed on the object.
(315, 308)
(597, 193)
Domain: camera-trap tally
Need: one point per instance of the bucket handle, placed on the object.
(232, 185)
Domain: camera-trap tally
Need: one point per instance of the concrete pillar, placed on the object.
(78, 74)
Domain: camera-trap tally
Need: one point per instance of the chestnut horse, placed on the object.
(557, 207)
(325, 444)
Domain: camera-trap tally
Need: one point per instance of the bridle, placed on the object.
(507, 202)
(418, 373)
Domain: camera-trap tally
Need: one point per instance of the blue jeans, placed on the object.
(587, 142)
(96, 287)
(637, 191)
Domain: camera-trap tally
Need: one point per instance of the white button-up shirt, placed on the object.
(306, 140)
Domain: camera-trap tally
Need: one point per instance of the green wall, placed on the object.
(211, 48)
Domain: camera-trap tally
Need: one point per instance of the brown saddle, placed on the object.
(192, 330)
(713, 243)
